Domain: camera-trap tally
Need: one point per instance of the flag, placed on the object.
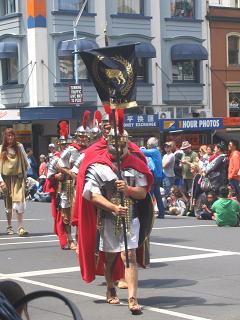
(113, 72)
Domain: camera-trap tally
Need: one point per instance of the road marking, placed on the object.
(43, 272)
(94, 296)
(187, 247)
(28, 237)
(14, 220)
(192, 257)
(183, 227)
(27, 242)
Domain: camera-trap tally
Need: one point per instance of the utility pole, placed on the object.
(75, 24)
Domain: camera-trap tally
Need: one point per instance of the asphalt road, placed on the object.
(194, 274)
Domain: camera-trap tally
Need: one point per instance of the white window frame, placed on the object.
(236, 34)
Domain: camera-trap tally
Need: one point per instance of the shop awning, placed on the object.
(52, 113)
(143, 49)
(66, 47)
(188, 51)
(8, 50)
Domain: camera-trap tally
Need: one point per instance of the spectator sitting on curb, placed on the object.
(177, 205)
(204, 211)
(226, 210)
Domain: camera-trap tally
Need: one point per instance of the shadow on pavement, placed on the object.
(167, 240)
(177, 302)
(166, 283)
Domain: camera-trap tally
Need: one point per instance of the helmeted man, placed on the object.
(53, 182)
(100, 188)
(65, 164)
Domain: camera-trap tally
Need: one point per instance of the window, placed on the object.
(185, 71)
(71, 5)
(182, 8)
(183, 112)
(233, 50)
(234, 104)
(9, 71)
(142, 69)
(130, 6)
(7, 7)
(66, 67)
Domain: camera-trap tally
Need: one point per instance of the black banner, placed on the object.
(113, 72)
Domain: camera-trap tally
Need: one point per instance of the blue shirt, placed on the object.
(155, 155)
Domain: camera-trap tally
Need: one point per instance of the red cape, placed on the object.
(100, 147)
(51, 186)
(85, 212)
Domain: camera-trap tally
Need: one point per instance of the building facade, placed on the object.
(36, 52)
(185, 55)
(224, 23)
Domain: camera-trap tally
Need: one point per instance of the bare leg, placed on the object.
(20, 219)
(9, 217)
(131, 277)
(66, 216)
(131, 273)
(109, 262)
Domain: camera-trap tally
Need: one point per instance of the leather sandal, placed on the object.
(133, 306)
(111, 296)
(22, 232)
(72, 245)
(122, 284)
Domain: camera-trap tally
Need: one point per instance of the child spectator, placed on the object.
(204, 210)
(177, 206)
(226, 210)
(231, 194)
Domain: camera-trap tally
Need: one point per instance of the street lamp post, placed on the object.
(75, 24)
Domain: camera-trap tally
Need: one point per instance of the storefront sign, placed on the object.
(23, 132)
(141, 121)
(193, 124)
(231, 122)
(6, 114)
(75, 94)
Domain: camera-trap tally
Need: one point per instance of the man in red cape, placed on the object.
(86, 218)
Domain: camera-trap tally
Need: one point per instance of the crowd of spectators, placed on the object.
(203, 183)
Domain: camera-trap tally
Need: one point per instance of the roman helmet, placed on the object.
(106, 122)
(122, 136)
(96, 126)
(82, 134)
(63, 131)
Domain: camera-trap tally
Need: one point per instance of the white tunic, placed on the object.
(109, 241)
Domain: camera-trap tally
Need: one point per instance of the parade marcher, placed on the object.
(65, 164)
(53, 183)
(13, 173)
(94, 135)
(99, 184)
(52, 150)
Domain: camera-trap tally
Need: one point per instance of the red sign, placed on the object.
(231, 122)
